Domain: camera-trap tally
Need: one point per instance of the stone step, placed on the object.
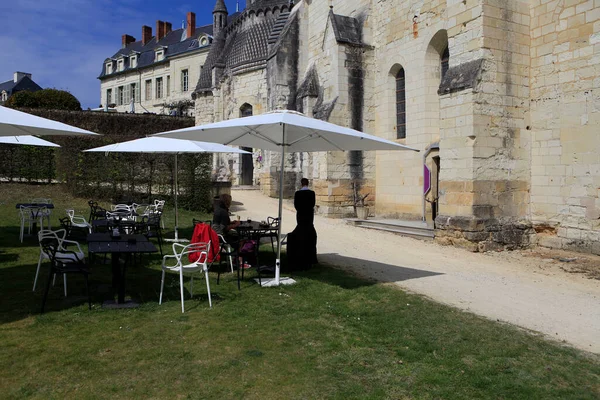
(414, 229)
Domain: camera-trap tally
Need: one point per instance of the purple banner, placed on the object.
(426, 179)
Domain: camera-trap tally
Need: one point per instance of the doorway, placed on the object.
(435, 180)
(247, 163)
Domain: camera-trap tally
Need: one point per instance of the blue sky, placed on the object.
(63, 43)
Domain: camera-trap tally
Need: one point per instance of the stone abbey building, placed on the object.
(501, 97)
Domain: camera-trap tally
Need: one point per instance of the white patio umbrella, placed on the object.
(284, 131)
(166, 145)
(27, 140)
(18, 123)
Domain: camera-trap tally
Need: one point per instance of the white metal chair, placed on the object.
(78, 221)
(61, 251)
(44, 212)
(158, 208)
(27, 218)
(182, 265)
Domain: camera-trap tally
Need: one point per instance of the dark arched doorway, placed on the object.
(247, 165)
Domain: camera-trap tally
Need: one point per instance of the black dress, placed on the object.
(302, 241)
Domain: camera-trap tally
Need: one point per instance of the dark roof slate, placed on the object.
(25, 83)
(220, 6)
(346, 29)
(244, 43)
(175, 42)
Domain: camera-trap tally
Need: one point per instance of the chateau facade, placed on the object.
(501, 97)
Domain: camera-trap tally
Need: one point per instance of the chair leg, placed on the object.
(22, 230)
(87, 289)
(192, 286)
(181, 290)
(219, 272)
(47, 290)
(65, 283)
(208, 287)
(37, 271)
(162, 285)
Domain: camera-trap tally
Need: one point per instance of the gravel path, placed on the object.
(526, 291)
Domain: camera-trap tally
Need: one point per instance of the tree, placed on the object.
(47, 98)
(179, 107)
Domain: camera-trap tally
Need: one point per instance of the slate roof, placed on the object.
(220, 6)
(346, 29)
(25, 83)
(244, 42)
(176, 43)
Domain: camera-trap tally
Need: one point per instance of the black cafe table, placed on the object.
(122, 246)
(255, 230)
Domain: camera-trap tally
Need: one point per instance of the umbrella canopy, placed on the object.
(166, 145)
(154, 144)
(17, 123)
(27, 140)
(302, 134)
(284, 131)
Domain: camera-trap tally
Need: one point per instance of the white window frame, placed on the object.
(135, 93)
(108, 68)
(108, 97)
(168, 91)
(120, 95)
(160, 55)
(120, 65)
(126, 94)
(185, 80)
(159, 88)
(133, 61)
(4, 96)
(148, 89)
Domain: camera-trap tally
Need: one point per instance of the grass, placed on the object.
(331, 336)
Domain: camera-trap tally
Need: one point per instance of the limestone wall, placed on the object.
(565, 120)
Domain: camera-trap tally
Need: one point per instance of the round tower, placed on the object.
(219, 17)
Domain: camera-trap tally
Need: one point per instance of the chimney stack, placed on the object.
(160, 30)
(126, 40)
(146, 34)
(17, 76)
(191, 24)
(168, 28)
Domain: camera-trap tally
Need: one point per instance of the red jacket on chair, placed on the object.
(203, 233)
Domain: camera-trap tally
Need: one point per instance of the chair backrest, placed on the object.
(119, 207)
(65, 222)
(47, 235)
(273, 222)
(196, 253)
(25, 212)
(159, 204)
(70, 213)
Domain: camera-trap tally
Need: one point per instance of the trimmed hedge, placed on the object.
(114, 176)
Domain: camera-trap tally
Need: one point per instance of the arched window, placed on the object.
(246, 110)
(4, 96)
(444, 60)
(400, 105)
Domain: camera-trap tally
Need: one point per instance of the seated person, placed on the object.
(222, 224)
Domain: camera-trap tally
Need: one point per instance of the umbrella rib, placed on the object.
(328, 141)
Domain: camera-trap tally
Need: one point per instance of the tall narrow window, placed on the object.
(148, 90)
(134, 92)
(168, 86)
(127, 94)
(120, 95)
(159, 88)
(400, 105)
(184, 80)
(108, 96)
(445, 60)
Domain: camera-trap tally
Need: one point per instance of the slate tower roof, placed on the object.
(243, 46)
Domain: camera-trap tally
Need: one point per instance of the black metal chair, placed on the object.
(228, 252)
(63, 262)
(96, 212)
(150, 227)
(273, 234)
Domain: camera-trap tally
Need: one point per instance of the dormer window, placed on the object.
(160, 55)
(109, 68)
(203, 41)
(133, 61)
(120, 65)
(4, 96)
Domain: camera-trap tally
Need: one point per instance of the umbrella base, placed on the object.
(271, 282)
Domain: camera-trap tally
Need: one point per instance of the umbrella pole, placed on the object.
(176, 210)
(278, 262)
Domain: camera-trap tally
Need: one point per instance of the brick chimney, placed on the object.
(146, 34)
(126, 40)
(168, 27)
(191, 24)
(160, 30)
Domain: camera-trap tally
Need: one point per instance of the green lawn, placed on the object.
(331, 336)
